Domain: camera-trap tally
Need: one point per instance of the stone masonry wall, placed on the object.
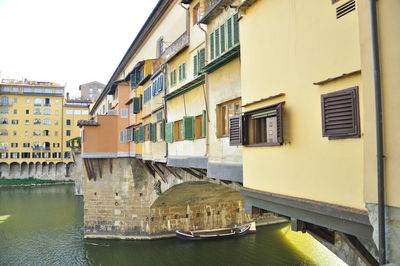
(124, 203)
(118, 203)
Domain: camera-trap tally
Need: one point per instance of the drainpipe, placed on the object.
(379, 132)
(166, 81)
(206, 94)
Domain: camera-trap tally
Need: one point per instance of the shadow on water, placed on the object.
(45, 226)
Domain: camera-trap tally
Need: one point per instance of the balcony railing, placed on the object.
(172, 50)
(5, 104)
(3, 148)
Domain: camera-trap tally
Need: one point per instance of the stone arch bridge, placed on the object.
(129, 198)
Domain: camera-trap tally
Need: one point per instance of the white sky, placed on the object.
(67, 41)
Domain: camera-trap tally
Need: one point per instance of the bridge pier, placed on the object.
(125, 199)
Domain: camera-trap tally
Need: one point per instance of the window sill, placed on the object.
(262, 144)
(222, 137)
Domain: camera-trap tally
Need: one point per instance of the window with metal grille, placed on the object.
(340, 114)
(345, 9)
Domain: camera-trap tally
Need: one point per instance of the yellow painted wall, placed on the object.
(189, 104)
(286, 46)
(389, 32)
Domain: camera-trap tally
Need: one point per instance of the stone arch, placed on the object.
(15, 170)
(24, 170)
(38, 170)
(45, 170)
(197, 205)
(68, 170)
(52, 170)
(4, 170)
(31, 171)
(60, 169)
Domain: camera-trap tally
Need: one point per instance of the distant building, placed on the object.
(91, 91)
(36, 123)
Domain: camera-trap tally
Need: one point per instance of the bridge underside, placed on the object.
(345, 231)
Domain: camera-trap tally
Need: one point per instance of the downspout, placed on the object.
(206, 96)
(165, 107)
(379, 132)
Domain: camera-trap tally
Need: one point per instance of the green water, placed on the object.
(44, 226)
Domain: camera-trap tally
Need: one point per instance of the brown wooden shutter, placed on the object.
(235, 128)
(279, 124)
(340, 114)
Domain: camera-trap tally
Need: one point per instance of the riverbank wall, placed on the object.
(52, 171)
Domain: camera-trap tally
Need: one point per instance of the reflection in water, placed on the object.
(44, 226)
(3, 218)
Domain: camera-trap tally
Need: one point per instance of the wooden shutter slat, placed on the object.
(229, 28)
(217, 42)
(188, 127)
(222, 31)
(236, 29)
(195, 66)
(204, 124)
(235, 136)
(340, 113)
(212, 46)
(169, 132)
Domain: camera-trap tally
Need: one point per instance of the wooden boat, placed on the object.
(214, 233)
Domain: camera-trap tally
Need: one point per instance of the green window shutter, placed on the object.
(217, 42)
(195, 66)
(136, 105)
(235, 29)
(135, 136)
(153, 136)
(229, 29)
(163, 129)
(171, 80)
(204, 124)
(188, 127)
(222, 31)
(147, 131)
(133, 80)
(169, 132)
(141, 134)
(212, 46)
(202, 58)
(183, 71)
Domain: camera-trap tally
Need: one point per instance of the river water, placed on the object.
(44, 226)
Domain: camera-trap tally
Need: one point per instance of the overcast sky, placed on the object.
(67, 41)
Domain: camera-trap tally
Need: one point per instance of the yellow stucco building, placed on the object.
(33, 130)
